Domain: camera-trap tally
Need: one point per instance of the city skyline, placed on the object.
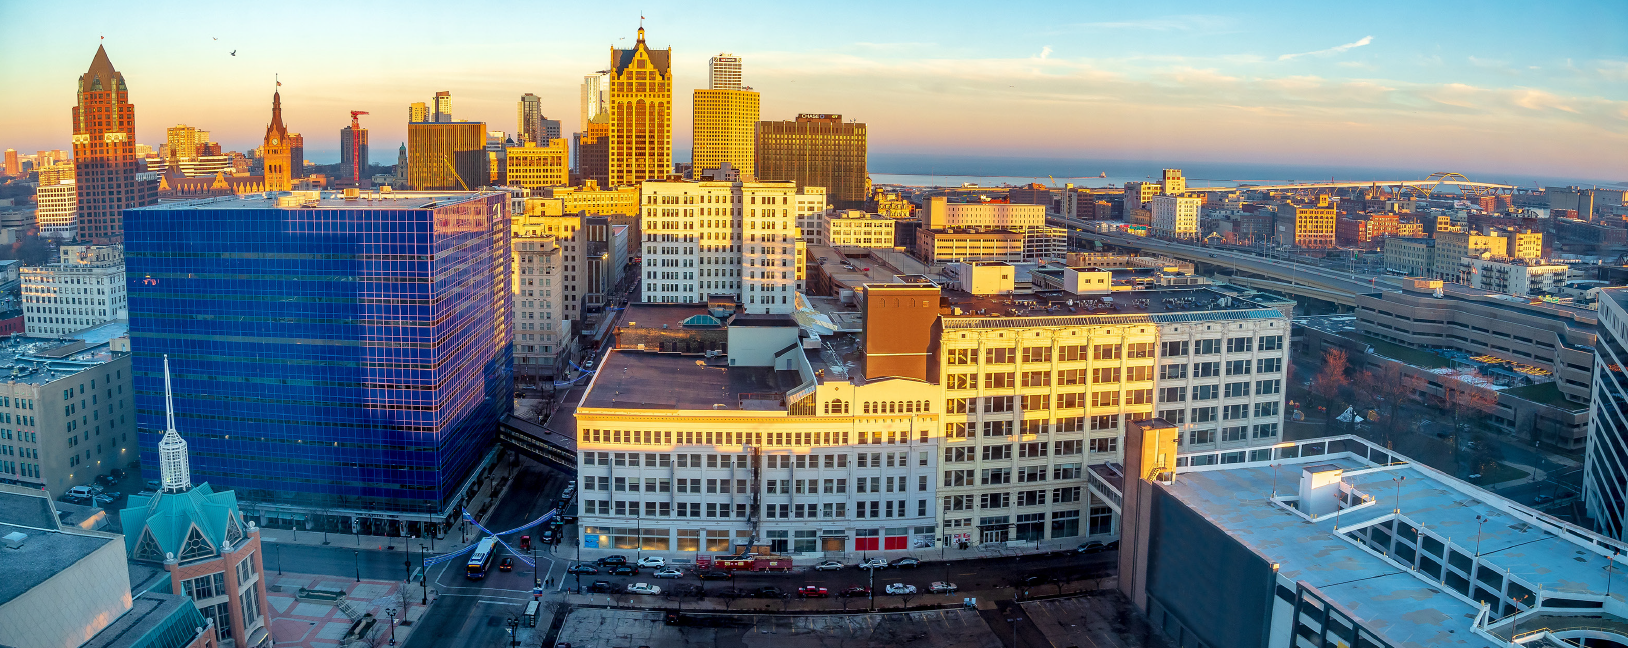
(1440, 89)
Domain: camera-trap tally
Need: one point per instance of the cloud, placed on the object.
(1045, 51)
(1332, 50)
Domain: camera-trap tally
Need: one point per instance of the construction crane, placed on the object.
(356, 146)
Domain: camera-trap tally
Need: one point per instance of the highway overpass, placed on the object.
(1276, 275)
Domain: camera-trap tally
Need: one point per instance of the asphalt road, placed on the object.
(339, 560)
(475, 613)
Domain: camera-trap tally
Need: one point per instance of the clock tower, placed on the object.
(276, 152)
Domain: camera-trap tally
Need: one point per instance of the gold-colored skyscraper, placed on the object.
(641, 114)
(726, 115)
(815, 151)
(447, 156)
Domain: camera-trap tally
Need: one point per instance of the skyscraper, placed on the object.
(184, 143)
(376, 389)
(346, 136)
(447, 156)
(279, 161)
(296, 155)
(1603, 475)
(815, 151)
(104, 152)
(725, 120)
(724, 73)
(442, 108)
(529, 120)
(11, 162)
(418, 112)
(641, 115)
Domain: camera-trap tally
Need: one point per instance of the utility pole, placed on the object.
(425, 579)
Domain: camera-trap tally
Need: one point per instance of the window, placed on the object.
(1206, 392)
(1105, 352)
(1066, 471)
(958, 503)
(1240, 344)
(999, 356)
(1032, 450)
(1105, 399)
(1206, 369)
(1071, 377)
(1034, 426)
(1232, 412)
(956, 406)
(998, 404)
(1105, 375)
(1067, 447)
(1172, 394)
(1139, 350)
(955, 430)
(1071, 400)
(1106, 444)
(995, 476)
(1268, 365)
(1036, 378)
(206, 586)
(994, 500)
(1237, 389)
(1207, 347)
(1266, 387)
(1174, 348)
(997, 428)
(1138, 396)
(1237, 367)
(1033, 402)
(1065, 495)
(1203, 414)
(997, 452)
(1000, 380)
(1234, 433)
(1031, 474)
(1139, 374)
(1269, 408)
(1102, 520)
(1271, 342)
(958, 454)
(1037, 354)
(1105, 422)
(959, 357)
(1266, 430)
(961, 381)
(958, 478)
(1031, 498)
(1172, 372)
(1071, 353)
(1201, 436)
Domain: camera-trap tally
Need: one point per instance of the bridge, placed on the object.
(1427, 185)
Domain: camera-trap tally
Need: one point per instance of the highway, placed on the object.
(1283, 269)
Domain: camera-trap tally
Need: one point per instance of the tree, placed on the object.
(1328, 383)
(1389, 387)
(1466, 402)
(905, 598)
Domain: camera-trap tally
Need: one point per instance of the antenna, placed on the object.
(169, 403)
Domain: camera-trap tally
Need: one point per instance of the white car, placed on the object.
(828, 565)
(670, 572)
(941, 587)
(901, 588)
(874, 563)
(652, 561)
(643, 588)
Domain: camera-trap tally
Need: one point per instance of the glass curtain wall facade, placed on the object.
(1605, 464)
(343, 356)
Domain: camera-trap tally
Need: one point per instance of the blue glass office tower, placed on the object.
(329, 356)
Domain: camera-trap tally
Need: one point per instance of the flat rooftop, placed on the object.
(147, 613)
(1403, 605)
(1173, 304)
(643, 380)
(43, 555)
(37, 361)
(328, 200)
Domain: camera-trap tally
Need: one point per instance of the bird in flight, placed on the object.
(214, 38)
(234, 52)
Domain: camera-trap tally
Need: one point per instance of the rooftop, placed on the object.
(1402, 603)
(38, 361)
(1161, 305)
(43, 554)
(148, 615)
(625, 380)
(327, 200)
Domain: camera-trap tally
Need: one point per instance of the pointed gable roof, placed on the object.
(660, 60)
(276, 128)
(101, 73)
(169, 520)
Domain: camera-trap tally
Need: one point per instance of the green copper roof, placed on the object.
(197, 524)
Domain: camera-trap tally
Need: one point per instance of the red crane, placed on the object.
(356, 146)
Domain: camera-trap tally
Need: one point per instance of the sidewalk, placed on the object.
(834, 604)
(310, 624)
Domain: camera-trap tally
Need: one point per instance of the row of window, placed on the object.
(955, 478)
(1212, 392)
(772, 461)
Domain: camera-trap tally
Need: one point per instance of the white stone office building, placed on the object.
(542, 332)
(721, 238)
(84, 288)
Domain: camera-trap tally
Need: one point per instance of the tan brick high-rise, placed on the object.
(104, 152)
(641, 114)
(815, 151)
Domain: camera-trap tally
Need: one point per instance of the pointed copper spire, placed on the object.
(276, 130)
(101, 68)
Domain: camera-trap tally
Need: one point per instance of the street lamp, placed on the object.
(279, 550)
(392, 613)
(514, 625)
(1014, 621)
(357, 561)
(425, 581)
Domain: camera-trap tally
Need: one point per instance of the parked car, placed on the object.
(601, 587)
(1033, 580)
(652, 561)
(116, 473)
(643, 588)
(547, 538)
(714, 574)
(669, 572)
(613, 560)
(582, 568)
(874, 563)
(901, 588)
(625, 570)
(770, 592)
(906, 562)
(856, 590)
(813, 591)
(941, 587)
(1543, 499)
(828, 565)
(506, 565)
(81, 492)
(731, 593)
(105, 480)
(1094, 546)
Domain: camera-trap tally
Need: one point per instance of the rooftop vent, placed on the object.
(14, 540)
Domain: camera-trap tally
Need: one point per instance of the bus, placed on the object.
(481, 560)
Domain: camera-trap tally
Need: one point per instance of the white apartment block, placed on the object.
(1176, 216)
(941, 214)
(84, 288)
(58, 211)
(542, 335)
(811, 211)
(1515, 276)
(721, 238)
(855, 228)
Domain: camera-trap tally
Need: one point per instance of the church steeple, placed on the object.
(276, 151)
(173, 463)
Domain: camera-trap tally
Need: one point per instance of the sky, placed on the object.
(1483, 88)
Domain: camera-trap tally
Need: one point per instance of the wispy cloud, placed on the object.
(1045, 51)
(1332, 50)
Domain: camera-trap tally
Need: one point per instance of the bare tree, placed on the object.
(1328, 383)
(1466, 402)
(905, 598)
